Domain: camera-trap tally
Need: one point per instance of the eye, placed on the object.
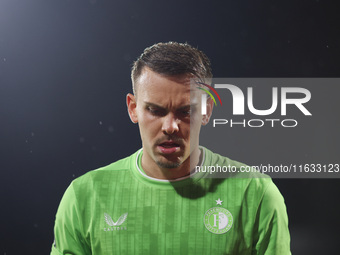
(185, 112)
(155, 111)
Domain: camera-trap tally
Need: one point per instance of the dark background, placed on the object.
(65, 71)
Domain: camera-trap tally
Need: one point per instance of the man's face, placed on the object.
(166, 115)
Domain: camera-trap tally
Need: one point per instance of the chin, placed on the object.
(168, 164)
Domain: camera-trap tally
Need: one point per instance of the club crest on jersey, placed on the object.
(218, 220)
(115, 225)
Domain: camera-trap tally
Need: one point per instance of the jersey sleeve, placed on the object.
(68, 237)
(272, 234)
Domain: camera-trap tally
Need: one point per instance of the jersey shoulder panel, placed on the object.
(121, 165)
(252, 185)
(238, 172)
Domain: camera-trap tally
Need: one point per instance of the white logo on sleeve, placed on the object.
(115, 225)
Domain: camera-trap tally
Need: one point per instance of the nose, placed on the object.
(170, 124)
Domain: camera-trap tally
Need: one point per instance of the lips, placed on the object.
(169, 144)
(168, 147)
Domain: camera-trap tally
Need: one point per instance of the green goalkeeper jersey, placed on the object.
(118, 209)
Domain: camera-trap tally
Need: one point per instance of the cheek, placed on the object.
(196, 121)
(144, 118)
(149, 126)
(195, 127)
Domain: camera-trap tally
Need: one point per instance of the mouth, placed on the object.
(168, 147)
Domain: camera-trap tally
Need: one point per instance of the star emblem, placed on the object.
(219, 202)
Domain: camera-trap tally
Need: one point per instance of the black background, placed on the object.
(65, 71)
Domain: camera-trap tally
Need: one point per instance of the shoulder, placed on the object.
(99, 175)
(238, 175)
(251, 186)
(229, 168)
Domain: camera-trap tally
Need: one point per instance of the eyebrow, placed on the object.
(160, 107)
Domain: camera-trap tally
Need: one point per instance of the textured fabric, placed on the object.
(117, 209)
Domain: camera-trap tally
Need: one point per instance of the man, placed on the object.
(153, 202)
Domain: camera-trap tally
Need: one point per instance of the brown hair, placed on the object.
(172, 59)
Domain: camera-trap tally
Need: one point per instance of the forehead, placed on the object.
(158, 88)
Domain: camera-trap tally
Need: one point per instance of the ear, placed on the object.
(132, 107)
(210, 106)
